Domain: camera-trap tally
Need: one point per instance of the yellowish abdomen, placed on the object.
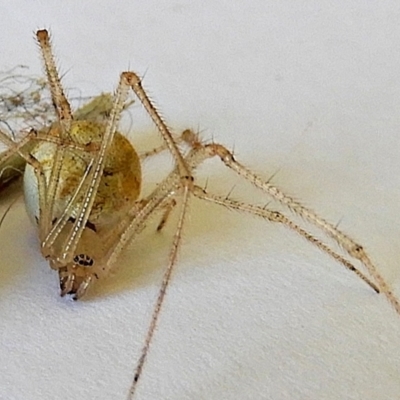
(119, 186)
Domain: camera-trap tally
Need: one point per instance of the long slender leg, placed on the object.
(195, 157)
(60, 102)
(161, 294)
(187, 136)
(24, 146)
(276, 216)
(157, 150)
(128, 230)
(92, 180)
(167, 188)
(136, 85)
(14, 147)
(12, 163)
(64, 114)
(124, 232)
(352, 248)
(56, 229)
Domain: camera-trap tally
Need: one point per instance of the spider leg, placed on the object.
(21, 149)
(88, 187)
(124, 233)
(160, 197)
(15, 147)
(12, 164)
(162, 292)
(64, 114)
(68, 281)
(276, 216)
(168, 208)
(83, 287)
(57, 227)
(165, 195)
(353, 249)
(159, 149)
(184, 171)
(60, 102)
(111, 239)
(63, 141)
(127, 231)
(11, 167)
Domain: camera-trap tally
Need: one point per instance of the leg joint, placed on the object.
(222, 152)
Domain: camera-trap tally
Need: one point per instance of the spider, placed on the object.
(82, 186)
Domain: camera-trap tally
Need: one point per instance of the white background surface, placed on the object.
(308, 88)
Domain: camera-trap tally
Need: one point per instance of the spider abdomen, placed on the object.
(119, 186)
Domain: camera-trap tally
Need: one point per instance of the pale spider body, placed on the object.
(118, 190)
(82, 187)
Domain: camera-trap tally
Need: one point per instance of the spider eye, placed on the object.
(83, 260)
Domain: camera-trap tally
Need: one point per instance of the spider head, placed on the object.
(76, 277)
